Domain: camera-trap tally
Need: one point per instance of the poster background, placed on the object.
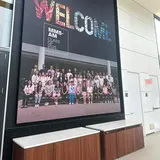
(80, 43)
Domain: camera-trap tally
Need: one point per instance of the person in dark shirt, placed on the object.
(44, 69)
(110, 94)
(92, 73)
(34, 70)
(64, 91)
(84, 74)
(60, 79)
(74, 72)
(84, 91)
(100, 93)
(63, 74)
(95, 92)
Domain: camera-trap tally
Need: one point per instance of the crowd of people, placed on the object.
(69, 86)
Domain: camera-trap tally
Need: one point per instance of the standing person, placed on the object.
(48, 92)
(110, 80)
(90, 93)
(57, 93)
(72, 92)
(55, 79)
(100, 93)
(105, 81)
(84, 74)
(64, 91)
(114, 90)
(78, 93)
(88, 80)
(104, 75)
(84, 92)
(58, 73)
(65, 78)
(92, 73)
(63, 74)
(35, 78)
(101, 80)
(48, 77)
(38, 94)
(34, 70)
(75, 72)
(69, 74)
(60, 79)
(71, 79)
(88, 73)
(105, 94)
(110, 94)
(28, 91)
(80, 80)
(52, 71)
(75, 80)
(96, 80)
(95, 92)
(43, 69)
(42, 78)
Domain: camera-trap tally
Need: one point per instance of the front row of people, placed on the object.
(65, 92)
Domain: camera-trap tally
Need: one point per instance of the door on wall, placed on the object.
(134, 98)
(3, 79)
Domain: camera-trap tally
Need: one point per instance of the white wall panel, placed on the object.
(136, 26)
(125, 80)
(138, 44)
(136, 10)
(148, 121)
(136, 62)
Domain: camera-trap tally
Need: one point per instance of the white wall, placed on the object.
(139, 54)
(5, 26)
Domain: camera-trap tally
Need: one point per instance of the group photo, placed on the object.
(54, 86)
(68, 62)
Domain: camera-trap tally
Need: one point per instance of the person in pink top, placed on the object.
(28, 91)
(42, 78)
(52, 71)
(105, 93)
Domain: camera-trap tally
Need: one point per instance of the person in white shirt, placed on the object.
(69, 74)
(80, 80)
(43, 79)
(75, 80)
(96, 80)
(90, 93)
(58, 73)
(110, 80)
(35, 78)
(101, 80)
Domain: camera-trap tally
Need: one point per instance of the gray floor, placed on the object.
(150, 152)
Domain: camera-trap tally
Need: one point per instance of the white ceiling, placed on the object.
(151, 5)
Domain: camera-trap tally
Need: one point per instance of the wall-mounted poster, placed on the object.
(68, 60)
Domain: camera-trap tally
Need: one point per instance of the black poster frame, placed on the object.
(13, 130)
